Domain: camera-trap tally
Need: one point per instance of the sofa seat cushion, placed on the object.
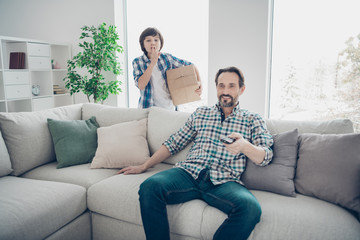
(117, 197)
(296, 218)
(79, 174)
(299, 217)
(33, 209)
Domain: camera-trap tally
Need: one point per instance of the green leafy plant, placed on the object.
(99, 54)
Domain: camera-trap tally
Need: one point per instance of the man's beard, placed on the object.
(226, 104)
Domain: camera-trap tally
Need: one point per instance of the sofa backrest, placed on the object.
(108, 115)
(27, 136)
(336, 126)
(161, 124)
(5, 164)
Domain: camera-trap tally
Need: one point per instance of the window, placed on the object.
(184, 26)
(315, 73)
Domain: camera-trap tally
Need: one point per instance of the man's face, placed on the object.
(228, 89)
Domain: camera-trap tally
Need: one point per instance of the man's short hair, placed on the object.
(150, 31)
(233, 70)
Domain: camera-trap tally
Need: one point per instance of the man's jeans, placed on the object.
(175, 186)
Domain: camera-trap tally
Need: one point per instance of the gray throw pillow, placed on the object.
(278, 176)
(5, 164)
(75, 141)
(329, 168)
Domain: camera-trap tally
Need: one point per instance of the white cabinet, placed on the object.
(16, 77)
(38, 49)
(43, 66)
(17, 91)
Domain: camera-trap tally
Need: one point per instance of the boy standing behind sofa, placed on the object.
(150, 71)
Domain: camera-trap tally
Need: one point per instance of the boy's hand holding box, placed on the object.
(182, 83)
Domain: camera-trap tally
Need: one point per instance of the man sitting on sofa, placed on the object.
(213, 166)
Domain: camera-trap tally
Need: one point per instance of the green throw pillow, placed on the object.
(75, 141)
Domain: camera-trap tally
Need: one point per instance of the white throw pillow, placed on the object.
(121, 145)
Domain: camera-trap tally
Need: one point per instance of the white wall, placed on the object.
(57, 21)
(238, 36)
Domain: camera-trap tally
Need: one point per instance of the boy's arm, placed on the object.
(145, 78)
(160, 155)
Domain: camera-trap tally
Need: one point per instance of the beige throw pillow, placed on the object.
(121, 145)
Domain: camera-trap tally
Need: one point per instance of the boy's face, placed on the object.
(228, 89)
(152, 43)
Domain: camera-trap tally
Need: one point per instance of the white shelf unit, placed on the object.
(45, 66)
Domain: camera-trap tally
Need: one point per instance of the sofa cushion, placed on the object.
(323, 127)
(33, 209)
(198, 220)
(27, 132)
(107, 115)
(121, 145)
(296, 218)
(75, 141)
(102, 194)
(278, 176)
(329, 168)
(79, 229)
(5, 164)
(104, 197)
(161, 124)
(79, 174)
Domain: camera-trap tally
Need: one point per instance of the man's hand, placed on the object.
(132, 170)
(254, 153)
(237, 146)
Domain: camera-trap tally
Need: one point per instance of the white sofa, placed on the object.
(39, 201)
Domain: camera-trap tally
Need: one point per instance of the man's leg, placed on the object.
(239, 204)
(172, 186)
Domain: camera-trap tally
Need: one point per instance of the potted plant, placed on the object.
(98, 56)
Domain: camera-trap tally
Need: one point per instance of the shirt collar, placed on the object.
(145, 58)
(235, 110)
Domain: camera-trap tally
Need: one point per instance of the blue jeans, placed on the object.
(176, 186)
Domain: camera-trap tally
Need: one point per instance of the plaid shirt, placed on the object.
(205, 128)
(166, 61)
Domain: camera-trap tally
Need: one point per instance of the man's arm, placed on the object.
(160, 155)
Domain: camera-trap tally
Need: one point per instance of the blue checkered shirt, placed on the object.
(166, 61)
(205, 128)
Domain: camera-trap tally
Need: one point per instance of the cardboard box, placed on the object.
(182, 83)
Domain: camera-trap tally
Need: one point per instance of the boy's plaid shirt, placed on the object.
(205, 128)
(166, 61)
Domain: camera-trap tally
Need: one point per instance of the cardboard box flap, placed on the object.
(182, 83)
(186, 71)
